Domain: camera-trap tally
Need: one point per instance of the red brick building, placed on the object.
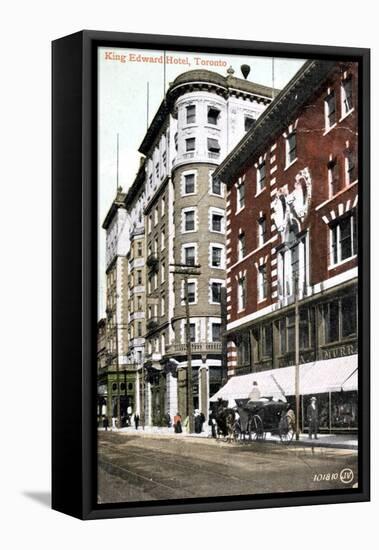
(292, 230)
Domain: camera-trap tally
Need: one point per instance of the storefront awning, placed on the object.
(326, 376)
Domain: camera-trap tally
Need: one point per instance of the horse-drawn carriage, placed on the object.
(253, 420)
(260, 417)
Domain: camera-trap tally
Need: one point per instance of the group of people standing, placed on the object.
(179, 425)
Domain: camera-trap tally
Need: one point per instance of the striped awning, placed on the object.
(325, 376)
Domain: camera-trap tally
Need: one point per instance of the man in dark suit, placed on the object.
(312, 416)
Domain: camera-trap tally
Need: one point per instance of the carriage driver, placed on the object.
(255, 394)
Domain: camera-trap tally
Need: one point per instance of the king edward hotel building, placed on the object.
(259, 188)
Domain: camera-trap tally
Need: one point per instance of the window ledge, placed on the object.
(334, 266)
(239, 210)
(336, 195)
(261, 191)
(346, 114)
(327, 130)
(290, 164)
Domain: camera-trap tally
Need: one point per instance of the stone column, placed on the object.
(137, 405)
(172, 395)
(204, 388)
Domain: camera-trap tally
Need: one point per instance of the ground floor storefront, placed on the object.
(166, 389)
(334, 383)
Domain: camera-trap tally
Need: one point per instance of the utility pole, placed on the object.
(142, 397)
(297, 357)
(186, 270)
(224, 357)
(118, 382)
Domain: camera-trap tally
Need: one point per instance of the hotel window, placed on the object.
(163, 237)
(261, 177)
(190, 144)
(139, 329)
(216, 186)
(241, 246)
(163, 206)
(191, 114)
(189, 184)
(262, 283)
(162, 306)
(191, 292)
(139, 250)
(189, 255)
(139, 303)
(241, 293)
(149, 223)
(240, 195)
(216, 332)
(217, 222)
(346, 95)
(261, 230)
(192, 330)
(286, 327)
(157, 170)
(189, 220)
(213, 115)
(156, 216)
(216, 256)
(330, 110)
(343, 237)
(213, 147)
(155, 281)
(156, 245)
(351, 168)
(333, 177)
(216, 292)
(163, 267)
(164, 159)
(291, 148)
(249, 121)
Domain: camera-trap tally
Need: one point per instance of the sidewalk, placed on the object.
(336, 441)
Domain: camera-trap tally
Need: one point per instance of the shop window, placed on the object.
(243, 349)
(267, 340)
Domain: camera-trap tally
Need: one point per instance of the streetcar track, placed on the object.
(110, 468)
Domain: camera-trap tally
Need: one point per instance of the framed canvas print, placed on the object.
(210, 274)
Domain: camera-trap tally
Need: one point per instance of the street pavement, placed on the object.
(142, 466)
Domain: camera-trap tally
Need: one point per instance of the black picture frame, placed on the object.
(74, 206)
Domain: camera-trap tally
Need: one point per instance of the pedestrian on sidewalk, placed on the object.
(136, 420)
(212, 423)
(198, 422)
(312, 416)
(177, 424)
(168, 420)
(105, 423)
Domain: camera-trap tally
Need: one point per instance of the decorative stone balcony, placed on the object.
(196, 347)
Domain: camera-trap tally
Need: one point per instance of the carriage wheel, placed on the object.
(286, 430)
(256, 430)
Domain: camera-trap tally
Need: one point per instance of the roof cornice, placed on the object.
(277, 116)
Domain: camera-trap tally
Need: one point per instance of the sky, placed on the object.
(124, 76)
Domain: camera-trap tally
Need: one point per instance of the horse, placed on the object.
(226, 422)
